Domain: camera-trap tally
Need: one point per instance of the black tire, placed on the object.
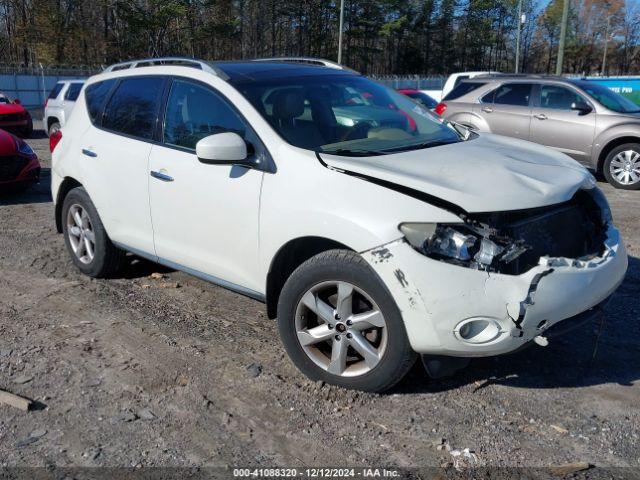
(28, 131)
(346, 266)
(107, 258)
(54, 127)
(606, 167)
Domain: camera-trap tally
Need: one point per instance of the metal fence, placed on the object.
(418, 82)
(31, 85)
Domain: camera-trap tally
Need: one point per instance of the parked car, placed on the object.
(369, 243)
(420, 97)
(452, 82)
(60, 103)
(19, 165)
(589, 122)
(14, 117)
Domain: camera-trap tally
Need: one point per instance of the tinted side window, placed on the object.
(517, 94)
(95, 95)
(553, 96)
(133, 107)
(462, 89)
(56, 91)
(194, 112)
(73, 91)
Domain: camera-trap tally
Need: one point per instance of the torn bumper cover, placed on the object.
(458, 311)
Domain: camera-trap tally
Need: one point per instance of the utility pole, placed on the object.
(518, 36)
(563, 34)
(606, 46)
(340, 32)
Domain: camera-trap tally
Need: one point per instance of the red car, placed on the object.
(19, 165)
(14, 117)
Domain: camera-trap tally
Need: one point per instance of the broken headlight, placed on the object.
(462, 244)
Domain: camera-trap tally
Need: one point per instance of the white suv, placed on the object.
(60, 103)
(371, 230)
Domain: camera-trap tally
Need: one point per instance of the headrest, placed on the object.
(288, 104)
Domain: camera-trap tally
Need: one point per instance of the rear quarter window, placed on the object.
(56, 91)
(462, 89)
(95, 95)
(73, 91)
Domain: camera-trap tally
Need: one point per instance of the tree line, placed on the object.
(380, 36)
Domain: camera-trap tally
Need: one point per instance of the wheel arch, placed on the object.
(610, 145)
(471, 119)
(289, 257)
(51, 120)
(68, 184)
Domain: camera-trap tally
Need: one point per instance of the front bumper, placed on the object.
(436, 298)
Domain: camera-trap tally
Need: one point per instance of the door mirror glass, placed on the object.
(581, 107)
(226, 148)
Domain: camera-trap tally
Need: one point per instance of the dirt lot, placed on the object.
(135, 372)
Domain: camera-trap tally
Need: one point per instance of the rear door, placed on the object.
(507, 109)
(556, 125)
(115, 156)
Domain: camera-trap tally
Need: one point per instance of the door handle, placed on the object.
(89, 153)
(161, 176)
(541, 116)
(487, 109)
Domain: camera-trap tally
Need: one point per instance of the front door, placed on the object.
(554, 124)
(205, 217)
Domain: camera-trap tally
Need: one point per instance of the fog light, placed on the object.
(478, 330)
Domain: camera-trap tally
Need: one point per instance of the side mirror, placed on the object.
(581, 108)
(17, 102)
(226, 148)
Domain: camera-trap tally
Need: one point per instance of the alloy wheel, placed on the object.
(81, 235)
(341, 329)
(625, 167)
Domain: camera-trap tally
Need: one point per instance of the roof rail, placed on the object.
(519, 75)
(176, 61)
(309, 60)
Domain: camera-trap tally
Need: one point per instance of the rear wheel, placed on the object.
(339, 324)
(53, 128)
(28, 130)
(90, 248)
(622, 167)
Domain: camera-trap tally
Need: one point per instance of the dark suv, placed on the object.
(587, 121)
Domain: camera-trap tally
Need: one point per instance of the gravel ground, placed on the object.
(134, 372)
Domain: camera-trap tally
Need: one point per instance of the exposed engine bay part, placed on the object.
(513, 242)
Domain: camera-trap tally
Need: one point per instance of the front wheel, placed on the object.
(622, 167)
(339, 324)
(90, 248)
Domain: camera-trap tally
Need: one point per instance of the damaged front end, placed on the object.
(513, 242)
(496, 281)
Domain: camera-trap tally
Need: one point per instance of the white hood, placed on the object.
(488, 173)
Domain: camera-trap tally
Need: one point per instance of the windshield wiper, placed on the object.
(346, 152)
(419, 146)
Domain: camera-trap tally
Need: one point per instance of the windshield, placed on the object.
(346, 115)
(610, 99)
